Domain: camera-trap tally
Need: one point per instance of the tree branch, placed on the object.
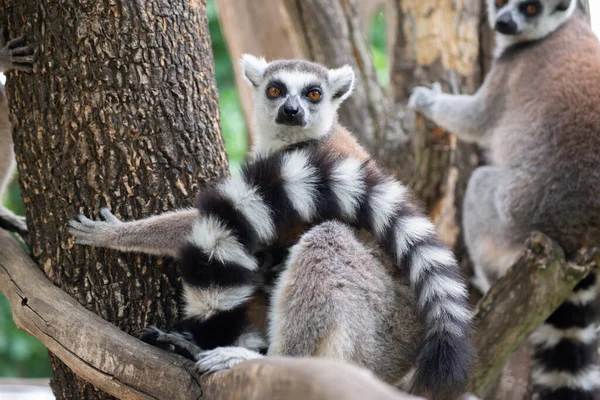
(127, 368)
(92, 347)
(521, 300)
(299, 379)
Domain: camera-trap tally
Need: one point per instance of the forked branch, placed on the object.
(520, 301)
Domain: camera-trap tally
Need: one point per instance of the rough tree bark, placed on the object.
(122, 112)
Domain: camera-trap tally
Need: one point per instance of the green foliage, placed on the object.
(233, 123)
(377, 36)
(22, 355)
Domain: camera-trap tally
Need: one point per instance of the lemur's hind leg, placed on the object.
(336, 300)
(207, 361)
(493, 240)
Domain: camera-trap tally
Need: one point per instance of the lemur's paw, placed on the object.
(181, 343)
(423, 98)
(223, 358)
(16, 54)
(150, 335)
(94, 233)
(14, 223)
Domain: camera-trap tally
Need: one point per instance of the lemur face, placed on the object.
(530, 19)
(295, 100)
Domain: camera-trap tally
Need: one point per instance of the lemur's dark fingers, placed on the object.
(23, 67)
(109, 216)
(149, 334)
(22, 51)
(16, 42)
(171, 341)
(83, 220)
(181, 343)
(14, 225)
(22, 59)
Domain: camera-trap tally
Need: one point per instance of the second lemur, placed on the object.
(306, 169)
(538, 115)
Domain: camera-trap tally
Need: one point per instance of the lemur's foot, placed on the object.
(13, 223)
(423, 98)
(94, 233)
(223, 358)
(16, 54)
(176, 342)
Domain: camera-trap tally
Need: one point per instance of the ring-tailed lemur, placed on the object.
(306, 169)
(14, 54)
(538, 114)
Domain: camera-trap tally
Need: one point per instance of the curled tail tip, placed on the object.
(443, 366)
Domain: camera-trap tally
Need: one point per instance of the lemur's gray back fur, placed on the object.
(537, 116)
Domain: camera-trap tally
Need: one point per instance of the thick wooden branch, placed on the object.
(299, 379)
(520, 301)
(92, 347)
(127, 368)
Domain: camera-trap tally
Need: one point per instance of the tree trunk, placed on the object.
(436, 41)
(120, 112)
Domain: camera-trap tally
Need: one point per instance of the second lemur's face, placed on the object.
(294, 100)
(528, 19)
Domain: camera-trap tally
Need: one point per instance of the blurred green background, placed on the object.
(24, 356)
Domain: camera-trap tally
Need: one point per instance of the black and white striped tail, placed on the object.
(565, 358)
(310, 185)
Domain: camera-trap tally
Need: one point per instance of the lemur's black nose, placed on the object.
(506, 25)
(290, 110)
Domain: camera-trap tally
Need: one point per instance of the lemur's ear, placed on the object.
(341, 81)
(253, 68)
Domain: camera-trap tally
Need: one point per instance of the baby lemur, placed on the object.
(13, 55)
(333, 298)
(538, 115)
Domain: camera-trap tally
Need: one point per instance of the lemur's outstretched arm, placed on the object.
(162, 234)
(13, 55)
(463, 115)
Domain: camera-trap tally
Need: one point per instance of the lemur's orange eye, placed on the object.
(314, 95)
(501, 3)
(531, 9)
(274, 91)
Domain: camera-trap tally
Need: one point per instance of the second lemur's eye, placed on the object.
(274, 91)
(531, 9)
(501, 3)
(314, 95)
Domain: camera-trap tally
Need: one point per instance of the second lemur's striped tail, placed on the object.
(566, 348)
